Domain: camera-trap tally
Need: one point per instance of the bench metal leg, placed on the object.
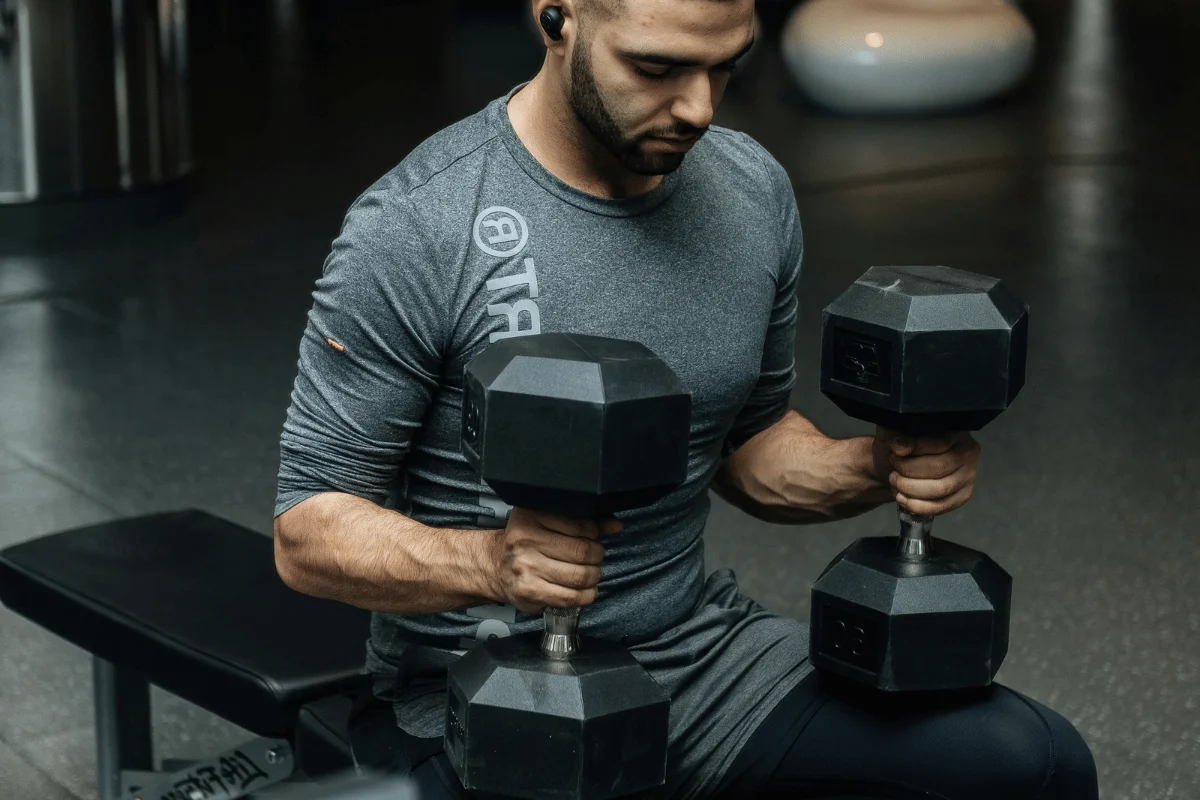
(125, 757)
(123, 737)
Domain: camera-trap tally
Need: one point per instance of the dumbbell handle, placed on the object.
(560, 640)
(915, 533)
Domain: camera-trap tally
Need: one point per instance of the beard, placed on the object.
(590, 109)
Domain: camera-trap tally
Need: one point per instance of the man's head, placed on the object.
(645, 77)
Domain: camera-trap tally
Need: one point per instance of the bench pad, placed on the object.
(192, 603)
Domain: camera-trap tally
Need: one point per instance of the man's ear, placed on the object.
(556, 22)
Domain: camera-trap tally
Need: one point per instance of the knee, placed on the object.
(1041, 754)
(1074, 771)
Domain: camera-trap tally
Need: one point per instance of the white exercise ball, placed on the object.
(902, 56)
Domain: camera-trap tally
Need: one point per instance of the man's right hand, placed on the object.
(544, 559)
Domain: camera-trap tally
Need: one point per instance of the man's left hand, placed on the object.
(929, 475)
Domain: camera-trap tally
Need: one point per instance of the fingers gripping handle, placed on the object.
(560, 640)
(915, 533)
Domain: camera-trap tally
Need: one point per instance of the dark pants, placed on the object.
(827, 739)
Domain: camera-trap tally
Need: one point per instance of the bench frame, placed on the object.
(125, 751)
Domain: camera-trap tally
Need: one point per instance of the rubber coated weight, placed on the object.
(920, 350)
(521, 726)
(897, 625)
(924, 349)
(581, 425)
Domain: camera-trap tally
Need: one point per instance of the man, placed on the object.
(599, 199)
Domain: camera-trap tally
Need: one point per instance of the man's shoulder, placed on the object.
(438, 167)
(738, 148)
(738, 156)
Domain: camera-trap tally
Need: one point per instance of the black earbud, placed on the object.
(552, 22)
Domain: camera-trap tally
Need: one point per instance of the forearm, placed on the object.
(348, 549)
(792, 473)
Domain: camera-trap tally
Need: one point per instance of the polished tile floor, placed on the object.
(150, 368)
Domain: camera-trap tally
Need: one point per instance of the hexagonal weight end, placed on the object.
(899, 625)
(524, 726)
(582, 425)
(925, 349)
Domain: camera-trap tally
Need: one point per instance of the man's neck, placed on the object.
(542, 118)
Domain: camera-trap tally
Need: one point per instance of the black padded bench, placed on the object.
(193, 604)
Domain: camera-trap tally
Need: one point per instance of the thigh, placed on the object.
(725, 668)
(993, 744)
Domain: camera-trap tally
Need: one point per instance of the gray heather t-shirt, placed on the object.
(470, 240)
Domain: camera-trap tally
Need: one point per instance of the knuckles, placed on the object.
(588, 552)
(580, 577)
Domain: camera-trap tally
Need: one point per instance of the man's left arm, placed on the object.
(780, 468)
(791, 473)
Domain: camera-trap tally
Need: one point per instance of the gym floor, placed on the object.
(149, 369)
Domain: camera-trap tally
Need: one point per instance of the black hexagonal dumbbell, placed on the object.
(587, 427)
(919, 350)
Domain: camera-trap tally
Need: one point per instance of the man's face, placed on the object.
(647, 83)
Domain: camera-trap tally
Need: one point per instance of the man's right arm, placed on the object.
(370, 365)
(341, 547)
(348, 549)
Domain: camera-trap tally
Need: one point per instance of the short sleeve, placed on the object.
(370, 357)
(768, 402)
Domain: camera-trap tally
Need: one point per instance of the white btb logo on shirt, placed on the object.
(501, 232)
